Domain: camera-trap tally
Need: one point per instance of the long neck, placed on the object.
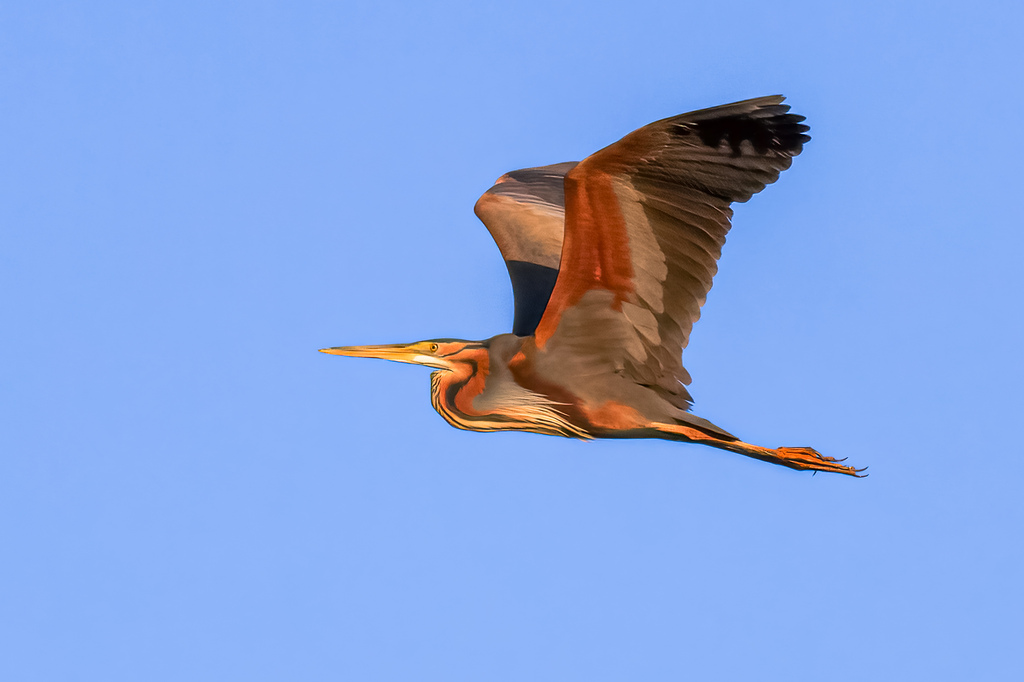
(452, 392)
(481, 395)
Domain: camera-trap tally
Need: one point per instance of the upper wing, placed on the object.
(524, 212)
(645, 221)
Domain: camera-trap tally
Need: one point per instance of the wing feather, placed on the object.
(645, 222)
(524, 212)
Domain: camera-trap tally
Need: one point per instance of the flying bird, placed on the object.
(611, 259)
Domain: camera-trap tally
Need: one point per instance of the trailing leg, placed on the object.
(804, 459)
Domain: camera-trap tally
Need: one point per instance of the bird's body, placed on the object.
(610, 261)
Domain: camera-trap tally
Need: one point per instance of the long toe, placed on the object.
(810, 459)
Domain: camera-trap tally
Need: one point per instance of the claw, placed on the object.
(806, 458)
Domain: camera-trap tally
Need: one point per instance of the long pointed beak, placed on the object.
(396, 352)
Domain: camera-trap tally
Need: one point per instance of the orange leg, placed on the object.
(806, 459)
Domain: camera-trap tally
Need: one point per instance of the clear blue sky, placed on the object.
(197, 195)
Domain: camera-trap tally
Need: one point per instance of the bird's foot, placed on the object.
(810, 459)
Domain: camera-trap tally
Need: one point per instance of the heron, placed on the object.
(611, 259)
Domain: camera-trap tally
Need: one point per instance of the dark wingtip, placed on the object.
(764, 122)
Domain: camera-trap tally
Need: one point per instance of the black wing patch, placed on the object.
(532, 285)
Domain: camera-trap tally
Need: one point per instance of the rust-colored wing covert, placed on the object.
(524, 212)
(645, 221)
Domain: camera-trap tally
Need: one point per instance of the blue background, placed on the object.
(197, 196)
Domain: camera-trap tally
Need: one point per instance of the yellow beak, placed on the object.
(412, 353)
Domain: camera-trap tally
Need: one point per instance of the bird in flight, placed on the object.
(611, 259)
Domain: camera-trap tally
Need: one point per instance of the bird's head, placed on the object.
(443, 354)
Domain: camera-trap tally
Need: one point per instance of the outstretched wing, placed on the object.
(524, 212)
(645, 221)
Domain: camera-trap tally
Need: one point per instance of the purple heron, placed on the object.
(611, 259)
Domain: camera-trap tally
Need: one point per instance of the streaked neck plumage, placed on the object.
(481, 394)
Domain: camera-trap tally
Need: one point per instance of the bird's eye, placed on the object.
(433, 348)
